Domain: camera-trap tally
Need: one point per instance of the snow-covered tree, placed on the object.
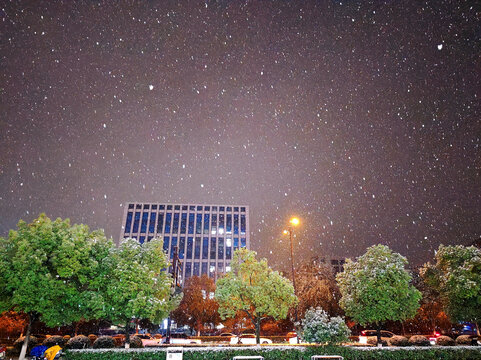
(316, 286)
(318, 327)
(139, 285)
(254, 288)
(456, 276)
(52, 271)
(376, 288)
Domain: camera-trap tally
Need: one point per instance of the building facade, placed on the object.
(337, 264)
(206, 235)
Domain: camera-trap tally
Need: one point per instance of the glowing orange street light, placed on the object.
(294, 221)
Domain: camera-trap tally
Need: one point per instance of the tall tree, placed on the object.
(50, 271)
(456, 276)
(316, 287)
(198, 306)
(255, 289)
(377, 288)
(139, 286)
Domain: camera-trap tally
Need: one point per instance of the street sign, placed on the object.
(175, 353)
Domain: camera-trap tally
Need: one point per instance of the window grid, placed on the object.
(187, 226)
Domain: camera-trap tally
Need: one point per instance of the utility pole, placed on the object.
(293, 222)
(176, 268)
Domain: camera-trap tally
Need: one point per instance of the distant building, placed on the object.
(206, 235)
(337, 264)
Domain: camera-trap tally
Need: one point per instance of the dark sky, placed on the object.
(362, 118)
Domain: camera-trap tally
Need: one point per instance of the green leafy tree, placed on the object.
(456, 276)
(51, 272)
(377, 288)
(255, 289)
(139, 286)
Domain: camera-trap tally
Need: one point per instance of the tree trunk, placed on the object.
(127, 335)
(76, 327)
(477, 328)
(378, 334)
(199, 326)
(23, 352)
(258, 330)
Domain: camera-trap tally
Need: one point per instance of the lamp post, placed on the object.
(293, 222)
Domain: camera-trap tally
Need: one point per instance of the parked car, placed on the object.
(291, 337)
(227, 334)
(385, 335)
(148, 340)
(248, 339)
(182, 339)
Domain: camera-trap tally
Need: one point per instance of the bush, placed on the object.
(397, 340)
(54, 340)
(92, 338)
(372, 340)
(276, 353)
(463, 340)
(119, 340)
(79, 342)
(444, 341)
(104, 342)
(32, 341)
(419, 340)
(319, 328)
(136, 342)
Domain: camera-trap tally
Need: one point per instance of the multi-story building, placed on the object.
(205, 235)
(337, 264)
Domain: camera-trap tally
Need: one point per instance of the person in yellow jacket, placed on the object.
(50, 353)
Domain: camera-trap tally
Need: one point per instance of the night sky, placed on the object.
(360, 117)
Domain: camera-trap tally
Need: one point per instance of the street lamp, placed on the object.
(292, 222)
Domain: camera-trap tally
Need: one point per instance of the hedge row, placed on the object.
(285, 353)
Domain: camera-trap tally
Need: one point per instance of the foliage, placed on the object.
(445, 341)
(373, 340)
(456, 276)
(319, 328)
(12, 323)
(398, 340)
(64, 262)
(137, 287)
(255, 289)
(430, 316)
(316, 286)
(419, 340)
(197, 307)
(54, 340)
(136, 342)
(92, 338)
(79, 342)
(293, 353)
(464, 340)
(377, 287)
(104, 342)
(53, 271)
